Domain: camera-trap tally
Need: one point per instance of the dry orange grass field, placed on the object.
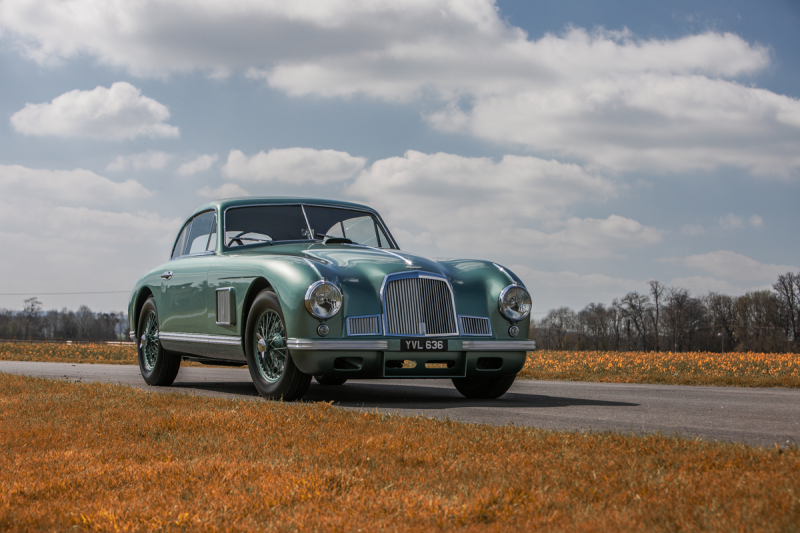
(69, 353)
(110, 458)
(746, 369)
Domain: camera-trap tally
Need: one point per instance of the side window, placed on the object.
(200, 233)
(180, 244)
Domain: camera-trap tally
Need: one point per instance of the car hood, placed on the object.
(346, 262)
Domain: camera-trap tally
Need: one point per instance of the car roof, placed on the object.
(277, 200)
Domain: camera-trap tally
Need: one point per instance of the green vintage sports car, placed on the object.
(295, 287)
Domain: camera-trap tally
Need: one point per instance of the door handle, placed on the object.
(167, 275)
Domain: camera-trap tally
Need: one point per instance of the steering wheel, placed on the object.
(238, 238)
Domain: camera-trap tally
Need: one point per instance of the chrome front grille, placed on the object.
(475, 325)
(419, 305)
(364, 325)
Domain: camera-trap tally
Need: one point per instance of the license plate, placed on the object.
(423, 345)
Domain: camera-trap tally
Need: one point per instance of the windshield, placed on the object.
(266, 224)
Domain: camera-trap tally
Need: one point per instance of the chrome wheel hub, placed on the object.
(148, 342)
(270, 346)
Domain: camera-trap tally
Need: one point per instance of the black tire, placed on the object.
(484, 388)
(330, 380)
(271, 366)
(158, 366)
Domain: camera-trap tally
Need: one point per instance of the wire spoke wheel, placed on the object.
(270, 346)
(148, 342)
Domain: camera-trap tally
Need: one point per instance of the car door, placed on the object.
(184, 286)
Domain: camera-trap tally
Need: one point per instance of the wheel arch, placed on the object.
(259, 284)
(144, 294)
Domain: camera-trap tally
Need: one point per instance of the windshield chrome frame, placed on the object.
(374, 214)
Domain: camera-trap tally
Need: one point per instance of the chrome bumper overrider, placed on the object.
(315, 344)
(498, 346)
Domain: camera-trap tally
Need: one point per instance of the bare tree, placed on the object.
(757, 320)
(788, 289)
(559, 322)
(675, 310)
(721, 310)
(635, 308)
(31, 312)
(656, 291)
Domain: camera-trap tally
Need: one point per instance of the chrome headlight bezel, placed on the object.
(511, 299)
(333, 298)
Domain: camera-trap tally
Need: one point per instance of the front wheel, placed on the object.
(271, 366)
(158, 366)
(484, 388)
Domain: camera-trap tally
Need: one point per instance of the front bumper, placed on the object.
(393, 345)
(383, 358)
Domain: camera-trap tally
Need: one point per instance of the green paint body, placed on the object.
(186, 302)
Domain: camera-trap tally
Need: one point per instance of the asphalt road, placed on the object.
(761, 417)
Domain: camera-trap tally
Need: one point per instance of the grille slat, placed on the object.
(364, 325)
(474, 325)
(416, 303)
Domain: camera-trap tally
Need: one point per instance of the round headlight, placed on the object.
(323, 299)
(515, 303)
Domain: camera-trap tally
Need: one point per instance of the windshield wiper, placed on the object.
(330, 239)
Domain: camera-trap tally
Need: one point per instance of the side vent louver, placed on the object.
(364, 325)
(226, 307)
(475, 325)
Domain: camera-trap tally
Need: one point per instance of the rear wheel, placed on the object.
(158, 366)
(271, 367)
(330, 380)
(484, 388)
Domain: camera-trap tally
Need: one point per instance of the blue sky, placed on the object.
(589, 146)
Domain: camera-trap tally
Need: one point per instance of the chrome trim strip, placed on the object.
(498, 346)
(318, 344)
(302, 207)
(384, 250)
(132, 335)
(222, 340)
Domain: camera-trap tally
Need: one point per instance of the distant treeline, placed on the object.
(33, 322)
(672, 319)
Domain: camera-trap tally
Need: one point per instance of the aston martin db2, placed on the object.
(295, 288)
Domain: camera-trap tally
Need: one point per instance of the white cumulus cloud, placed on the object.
(292, 165)
(732, 221)
(71, 187)
(226, 190)
(118, 112)
(731, 266)
(605, 98)
(442, 203)
(81, 232)
(152, 160)
(199, 164)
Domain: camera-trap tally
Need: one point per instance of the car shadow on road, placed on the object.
(425, 397)
(398, 395)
